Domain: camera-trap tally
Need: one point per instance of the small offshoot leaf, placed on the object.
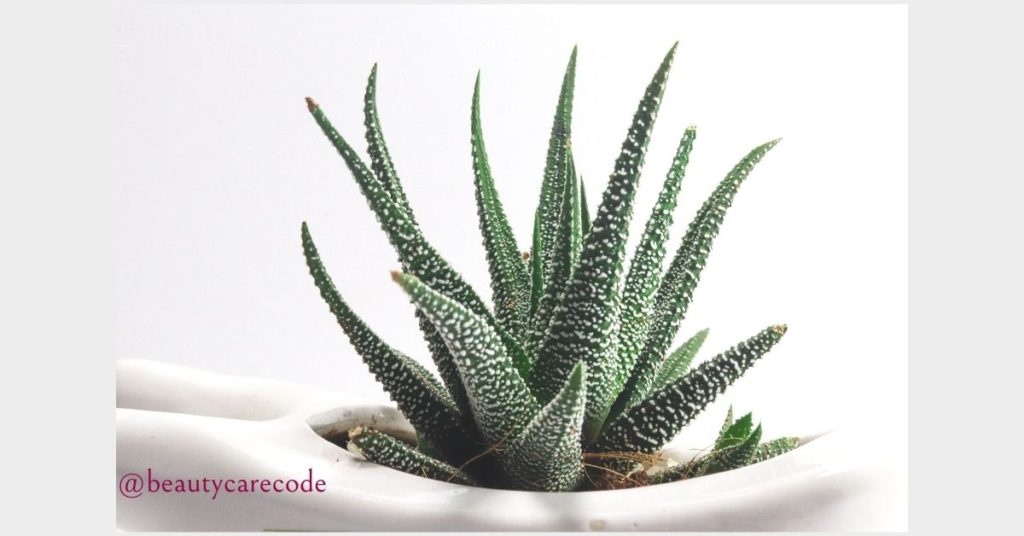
(678, 362)
(734, 456)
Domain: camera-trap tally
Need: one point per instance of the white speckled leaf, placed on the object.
(385, 450)
(547, 454)
(500, 401)
(681, 278)
(416, 254)
(420, 397)
(648, 425)
(775, 447)
(584, 323)
(563, 256)
(510, 280)
(644, 275)
(550, 204)
(380, 158)
(536, 269)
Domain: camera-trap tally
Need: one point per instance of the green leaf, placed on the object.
(536, 267)
(385, 450)
(426, 447)
(553, 185)
(584, 210)
(584, 323)
(727, 423)
(649, 425)
(380, 158)
(500, 401)
(644, 274)
(734, 456)
(676, 290)
(563, 257)
(417, 256)
(775, 447)
(679, 360)
(510, 280)
(419, 396)
(736, 433)
(547, 456)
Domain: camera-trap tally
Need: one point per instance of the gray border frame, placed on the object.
(60, 135)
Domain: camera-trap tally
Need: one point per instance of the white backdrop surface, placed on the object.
(221, 163)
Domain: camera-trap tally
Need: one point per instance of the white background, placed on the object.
(221, 163)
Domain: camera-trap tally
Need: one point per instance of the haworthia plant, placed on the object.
(569, 362)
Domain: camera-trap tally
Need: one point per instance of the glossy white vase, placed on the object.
(176, 423)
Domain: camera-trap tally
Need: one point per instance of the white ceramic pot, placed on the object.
(178, 424)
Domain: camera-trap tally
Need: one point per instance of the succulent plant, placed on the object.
(567, 379)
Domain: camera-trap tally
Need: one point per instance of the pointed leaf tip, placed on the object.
(311, 104)
(579, 372)
(780, 329)
(396, 275)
